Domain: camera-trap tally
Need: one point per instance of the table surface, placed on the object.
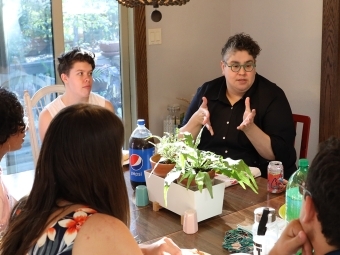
(148, 226)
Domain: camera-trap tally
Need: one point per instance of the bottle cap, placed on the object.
(140, 122)
(303, 162)
(258, 214)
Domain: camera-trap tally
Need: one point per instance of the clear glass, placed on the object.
(172, 120)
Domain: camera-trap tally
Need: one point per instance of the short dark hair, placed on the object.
(323, 182)
(67, 59)
(240, 42)
(11, 115)
(82, 165)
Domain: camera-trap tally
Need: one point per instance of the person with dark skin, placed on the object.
(12, 134)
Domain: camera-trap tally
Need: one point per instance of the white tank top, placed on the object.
(56, 105)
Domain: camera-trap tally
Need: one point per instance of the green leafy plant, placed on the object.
(167, 147)
(194, 164)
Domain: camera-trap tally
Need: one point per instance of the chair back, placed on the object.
(305, 120)
(33, 107)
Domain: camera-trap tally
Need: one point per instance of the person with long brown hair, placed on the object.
(79, 202)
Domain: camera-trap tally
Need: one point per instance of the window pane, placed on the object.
(94, 25)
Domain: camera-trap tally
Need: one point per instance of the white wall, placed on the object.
(288, 31)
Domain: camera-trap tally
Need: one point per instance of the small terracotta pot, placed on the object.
(193, 182)
(162, 169)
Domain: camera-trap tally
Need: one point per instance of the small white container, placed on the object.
(264, 243)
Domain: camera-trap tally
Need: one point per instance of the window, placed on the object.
(33, 33)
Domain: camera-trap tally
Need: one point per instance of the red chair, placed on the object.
(305, 120)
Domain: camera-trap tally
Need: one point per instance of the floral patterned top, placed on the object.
(59, 238)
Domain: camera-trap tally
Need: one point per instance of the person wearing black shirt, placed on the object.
(246, 116)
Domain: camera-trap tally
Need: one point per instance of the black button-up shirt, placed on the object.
(273, 116)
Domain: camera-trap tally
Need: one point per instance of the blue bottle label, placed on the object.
(139, 162)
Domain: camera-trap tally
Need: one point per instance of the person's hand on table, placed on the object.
(202, 115)
(291, 240)
(164, 246)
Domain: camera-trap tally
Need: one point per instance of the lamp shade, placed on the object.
(155, 3)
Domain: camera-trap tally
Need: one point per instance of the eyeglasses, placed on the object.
(248, 67)
(303, 191)
(25, 120)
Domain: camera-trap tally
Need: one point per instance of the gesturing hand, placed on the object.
(248, 116)
(203, 115)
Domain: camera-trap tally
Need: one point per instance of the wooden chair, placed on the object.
(305, 120)
(33, 107)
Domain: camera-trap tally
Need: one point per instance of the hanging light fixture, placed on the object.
(155, 3)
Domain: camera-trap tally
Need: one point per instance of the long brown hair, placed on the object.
(79, 161)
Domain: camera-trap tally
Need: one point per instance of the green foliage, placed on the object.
(194, 164)
(168, 147)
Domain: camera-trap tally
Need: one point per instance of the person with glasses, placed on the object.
(12, 134)
(245, 115)
(75, 70)
(318, 227)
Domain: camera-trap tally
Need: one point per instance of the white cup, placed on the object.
(190, 225)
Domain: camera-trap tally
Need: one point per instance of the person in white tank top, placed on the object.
(75, 70)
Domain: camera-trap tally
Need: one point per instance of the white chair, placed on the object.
(33, 108)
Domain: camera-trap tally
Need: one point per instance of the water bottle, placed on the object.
(265, 230)
(140, 151)
(294, 193)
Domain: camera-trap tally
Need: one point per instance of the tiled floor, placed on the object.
(19, 184)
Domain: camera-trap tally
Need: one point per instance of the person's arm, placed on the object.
(291, 240)
(259, 139)
(102, 234)
(45, 119)
(109, 106)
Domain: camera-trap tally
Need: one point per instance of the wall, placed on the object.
(288, 31)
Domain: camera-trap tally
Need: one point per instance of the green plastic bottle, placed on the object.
(294, 197)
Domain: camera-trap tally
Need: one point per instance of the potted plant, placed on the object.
(194, 164)
(166, 154)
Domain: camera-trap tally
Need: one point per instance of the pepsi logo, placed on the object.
(136, 162)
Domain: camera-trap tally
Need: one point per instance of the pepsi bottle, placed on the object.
(140, 151)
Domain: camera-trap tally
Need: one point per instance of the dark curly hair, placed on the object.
(240, 42)
(67, 59)
(323, 182)
(11, 115)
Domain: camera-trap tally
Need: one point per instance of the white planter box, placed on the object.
(180, 199)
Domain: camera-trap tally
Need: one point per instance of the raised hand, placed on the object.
(203, 115)
(248, 116)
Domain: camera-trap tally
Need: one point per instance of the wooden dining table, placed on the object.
(148, 226)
